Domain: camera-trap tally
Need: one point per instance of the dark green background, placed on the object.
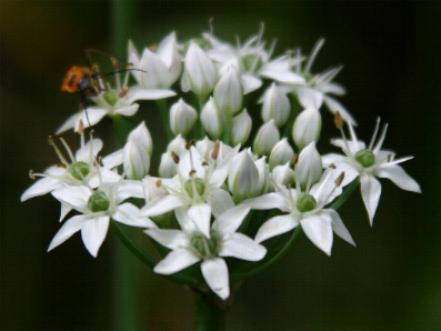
(391, 281)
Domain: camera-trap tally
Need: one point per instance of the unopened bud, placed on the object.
(211, 119)
(281, 153)
(307, 127)
(137, 152)
(241, 128)
(228, 91)
(267, 136)
(309, 166)
(182, 118)
(242, 177)
(275, 105)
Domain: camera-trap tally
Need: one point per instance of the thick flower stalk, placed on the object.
(241, 165)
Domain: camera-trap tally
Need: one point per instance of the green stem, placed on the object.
(209, 316)
(165, 115)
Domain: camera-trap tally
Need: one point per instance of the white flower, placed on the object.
(307, 127)
(307, 209)
(369, 163)
(318, 88)
(275, 105)
(228, 90)
(190, 246)
(211, 119)
(80, 168)
(281, 153)
(267, 136)
(182, 117)
(97, 208)
(137, 152)
(156, 69)
(119, 101)
(241, 128)
(199, 72)
(197, 187)
(309, 166)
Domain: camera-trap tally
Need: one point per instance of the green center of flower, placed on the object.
(98, 201)
(365, 157)
(305, 203)
(195, 185)
(79, 170)
(251, 62)
(206, 247)
(111, 97)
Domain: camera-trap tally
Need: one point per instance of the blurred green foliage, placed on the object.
(391, 281)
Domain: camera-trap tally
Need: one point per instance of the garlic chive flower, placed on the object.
(96, 207)
(371, 162)
(190, 246)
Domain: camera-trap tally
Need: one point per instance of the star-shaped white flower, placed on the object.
(369, 163)
(197, 187)
(80, 168)
(306, 208)
(190, 246)
(318, 88)
(97, 207)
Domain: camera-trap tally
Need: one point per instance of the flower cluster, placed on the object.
(230, 178)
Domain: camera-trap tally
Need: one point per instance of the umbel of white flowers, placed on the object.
(245, 127)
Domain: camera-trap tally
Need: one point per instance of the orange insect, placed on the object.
(80, 79)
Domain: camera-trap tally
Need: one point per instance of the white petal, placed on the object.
(93, 233)
(130, 215)
(399, 177)
(230, 220)
(74, 196)
(127, 110)
(318, 228)
(162, 206)
(215, 272)
(276, 226)
(69, 123)
(41, 187)
(267, 201)
(89, 151)
(104, 176)
(370, 192)
(172, 239)
(68, 229)
(250, 83)
(339, 228)
(185, 221)
(113, 160)
(176, 261)
(89, 117)
(335, 106)
(149, 94)
(130, 189)
(201, 216)
(220, 201)
(310, 98)
(65, 209)
(242, 247)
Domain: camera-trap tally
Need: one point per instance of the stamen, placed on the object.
(374, 136)
(340, 178)
(339, 123)
(57, 151)
(381, 140)
(33, 175)
(400, 160)
(318, 45)
(67, 148)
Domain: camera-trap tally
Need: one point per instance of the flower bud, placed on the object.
(137, 152)
(307, 127)
(241, 128)
(182, 117)
(242, 176)
(167, 166)
(267, 136)
(263, 178)
(228, 91)
(309, 166)
(281, 153)
(177, 145)
(275, 105)
(283, 174)
(199, 70)
(211, 119)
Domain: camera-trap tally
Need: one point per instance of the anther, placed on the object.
(31, 174)
(338, 121)
(123, 92)
(158, 183)
(216, 149)
(175, 157)
(332, 166)
(339, 179)
(192, 172)
(189, 144)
